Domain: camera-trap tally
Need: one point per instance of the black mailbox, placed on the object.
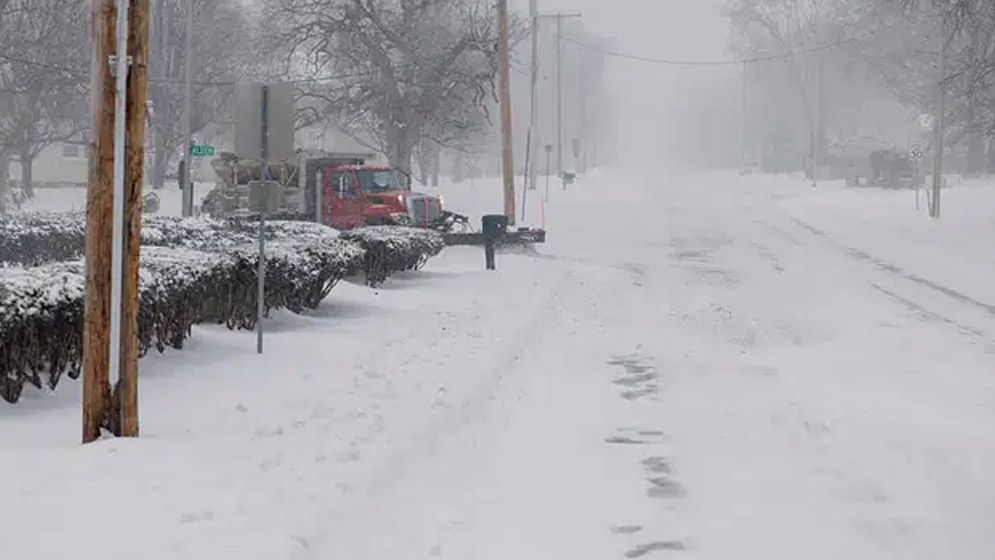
(494, 227)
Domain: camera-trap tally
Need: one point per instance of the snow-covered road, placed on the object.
(699, 366)
(718, 378)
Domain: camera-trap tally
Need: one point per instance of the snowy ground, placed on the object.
(701, 366)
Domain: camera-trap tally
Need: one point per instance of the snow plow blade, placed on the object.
(522, 236)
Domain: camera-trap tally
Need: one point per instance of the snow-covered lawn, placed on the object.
(695, 365)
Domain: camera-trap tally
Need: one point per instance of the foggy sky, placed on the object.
(650, 96)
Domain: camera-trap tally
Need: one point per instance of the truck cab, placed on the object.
(358, 195)
(342, 190)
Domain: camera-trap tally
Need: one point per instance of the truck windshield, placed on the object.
(379, 180)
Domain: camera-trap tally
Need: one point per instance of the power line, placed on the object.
(223, 83)
(28, 62)
(218, 83)
(727, 62)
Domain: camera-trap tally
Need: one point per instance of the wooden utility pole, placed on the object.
(117, 413)
(96, 341)
(507, 153)
(138, 48)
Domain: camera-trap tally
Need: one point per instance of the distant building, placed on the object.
(62, 164)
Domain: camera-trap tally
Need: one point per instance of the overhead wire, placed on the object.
(723, 62)
(212, 83)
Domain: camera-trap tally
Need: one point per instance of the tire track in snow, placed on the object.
(897, 270)
(899, 273)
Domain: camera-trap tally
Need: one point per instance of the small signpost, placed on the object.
(916, 155)
(549, 152)
(264, 131)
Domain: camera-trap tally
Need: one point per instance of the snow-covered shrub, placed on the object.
(391, 249)
(30, 239)
(192, 271)
(41, 313)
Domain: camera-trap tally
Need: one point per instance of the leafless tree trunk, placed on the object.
(159, 160)
(436, 164)
(4, 180)
(27, 159)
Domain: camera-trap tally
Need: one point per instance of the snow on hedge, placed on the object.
(31, 239)
(41, 308)
(192, 271)
(391, 249)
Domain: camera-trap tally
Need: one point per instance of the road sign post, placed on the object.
(264, 131)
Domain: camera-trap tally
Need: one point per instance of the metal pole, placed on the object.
(529, 174)
(507, 153)
(525, 175)
(817, 133)
(117, 231)
(261, 271)
(559, 97)
(185, 180)
(938, 148)
(744, 148)
(533, 98)
(159, 92)
(548, 155)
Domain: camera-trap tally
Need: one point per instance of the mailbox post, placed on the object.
(494, 228)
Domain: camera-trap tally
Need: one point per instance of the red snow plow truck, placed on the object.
(342, 190)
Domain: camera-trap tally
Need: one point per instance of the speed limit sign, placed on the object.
(916, 153)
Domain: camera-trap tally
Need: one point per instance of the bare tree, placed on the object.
(798, 29)
(222, 55)
(42, 79)
(948, 47)
(408, 70)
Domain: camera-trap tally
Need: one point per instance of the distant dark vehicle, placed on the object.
(892, 170)
(866, 161)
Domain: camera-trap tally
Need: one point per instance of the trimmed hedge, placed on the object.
(33, 239)
(192, 271)
(391, 249)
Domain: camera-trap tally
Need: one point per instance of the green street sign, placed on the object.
(201, 150)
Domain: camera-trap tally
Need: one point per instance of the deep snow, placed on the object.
(699, 365)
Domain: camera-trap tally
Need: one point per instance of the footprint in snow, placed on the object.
(195, 516)
(657, 546)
